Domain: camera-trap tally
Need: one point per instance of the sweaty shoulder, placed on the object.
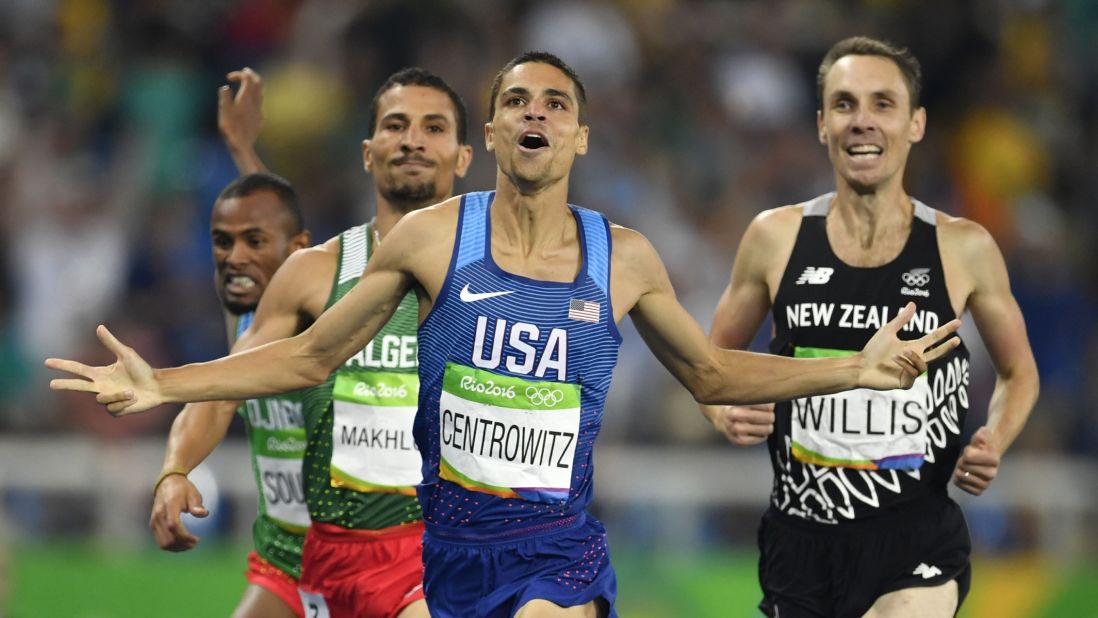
(422, 242)
(420, 231)
(970, 258)
(766, 246)
(958, 234)
(307, 276)
(635, 269)
(776, 228)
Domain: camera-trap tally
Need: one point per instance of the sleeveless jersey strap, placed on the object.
(353, 252)
(243, 322)
(596, 247)
(473, 227)
(925, 213)
(819, 206)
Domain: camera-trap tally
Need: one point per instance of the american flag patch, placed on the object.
(583, 310)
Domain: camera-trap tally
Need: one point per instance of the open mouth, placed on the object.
(239, 284)
(864, 151)
(533, 141)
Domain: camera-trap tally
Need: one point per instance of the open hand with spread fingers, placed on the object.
(889, 362)
(126, 387)
(978, 464)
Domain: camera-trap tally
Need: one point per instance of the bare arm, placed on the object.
(275, 367)
(288, 304)
(1003, 330)
(742, 308)
(240, 117)
(196, 432)
(717, 376)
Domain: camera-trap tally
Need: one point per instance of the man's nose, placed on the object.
(239, 253)
(412, 138)
(535, 111)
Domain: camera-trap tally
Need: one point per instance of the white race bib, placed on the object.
(283, 491)
(372, 444)
(863, 428)
(508, 436)
(313, 604)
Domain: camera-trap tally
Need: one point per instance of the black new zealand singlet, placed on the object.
(850, 455)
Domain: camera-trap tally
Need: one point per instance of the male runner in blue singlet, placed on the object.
(519, 297)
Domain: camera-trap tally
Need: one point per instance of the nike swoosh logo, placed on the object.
(472, 297)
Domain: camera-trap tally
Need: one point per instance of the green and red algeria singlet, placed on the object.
(276, 437)
(361, 464)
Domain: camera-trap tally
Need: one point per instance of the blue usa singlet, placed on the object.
(513, 377)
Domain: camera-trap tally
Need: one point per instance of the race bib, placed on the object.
(862, 428)
(284, 492)
(314, 605)
(508, 436)
(372, 444)
(276, 430)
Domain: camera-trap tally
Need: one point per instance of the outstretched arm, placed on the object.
(741, 310)
(1003, 330)
(276, 367)
(288, 305)
(717, 376)
(240, 117)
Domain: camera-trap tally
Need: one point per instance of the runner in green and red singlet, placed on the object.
(255, 225)
(362, 553)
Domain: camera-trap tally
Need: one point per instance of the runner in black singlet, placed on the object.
(859, 518)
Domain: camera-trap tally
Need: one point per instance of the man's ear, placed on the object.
(366, 156)
(465, 158)
(489, 143)
(918, 126)
(301, 240)
(821, 130)
(581, 140)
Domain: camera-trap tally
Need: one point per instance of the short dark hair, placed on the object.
(543, 58)
(248, 184)
(866, 46)
(417, 76)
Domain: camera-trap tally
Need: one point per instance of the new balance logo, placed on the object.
(472, 297)
(926, 571)
(815, 275)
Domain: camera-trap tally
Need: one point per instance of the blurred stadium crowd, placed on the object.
(702, 115)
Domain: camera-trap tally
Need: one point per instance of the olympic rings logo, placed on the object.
(917, 277)
(544, 396)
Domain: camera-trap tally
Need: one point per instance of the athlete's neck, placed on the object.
(870, 218)
(530, 222)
